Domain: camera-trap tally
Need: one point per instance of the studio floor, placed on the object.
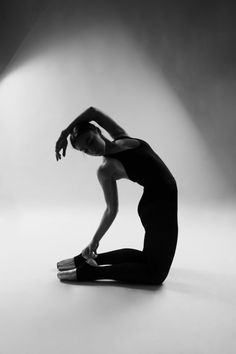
(193, 312)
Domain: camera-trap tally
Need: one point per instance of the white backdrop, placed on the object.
(70, 61)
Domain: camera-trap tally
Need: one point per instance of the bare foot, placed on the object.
(66, 264)
(67, 275)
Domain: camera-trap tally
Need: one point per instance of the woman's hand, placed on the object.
(90, 250)
(61, 144)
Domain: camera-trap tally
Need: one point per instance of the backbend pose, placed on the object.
(134, 159)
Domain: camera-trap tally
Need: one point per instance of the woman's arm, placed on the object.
(86, 116)
(108, 183)
(107, 220)
(62, 143)
(109, 187)
(114, 129)
(93, 114)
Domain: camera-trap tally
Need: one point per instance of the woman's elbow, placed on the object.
(92, 109)
(112, 211)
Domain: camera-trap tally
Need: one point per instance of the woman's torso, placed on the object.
(117, 168)
(138, 162)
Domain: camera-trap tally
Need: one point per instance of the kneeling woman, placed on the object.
(134, 159)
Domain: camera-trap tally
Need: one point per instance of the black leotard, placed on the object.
(145, 167)
(157, 209)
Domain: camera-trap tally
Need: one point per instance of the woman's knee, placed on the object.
(157, 278)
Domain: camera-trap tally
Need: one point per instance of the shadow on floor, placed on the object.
(114, 283)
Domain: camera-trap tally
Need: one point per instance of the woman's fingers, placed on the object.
(94, 255)
(90, 250)
(58, 149)
(88, 253)
(58, 156)
(85, 253)
(61, 144)
(64, 150)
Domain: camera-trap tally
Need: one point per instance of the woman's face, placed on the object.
(91, 143)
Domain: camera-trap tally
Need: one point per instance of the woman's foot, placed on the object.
(67, 275)
(66, 264)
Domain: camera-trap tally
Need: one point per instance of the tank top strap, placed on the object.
(123, 137)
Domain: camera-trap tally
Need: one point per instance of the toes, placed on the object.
(63, 275)
(66, 264)
(67, 275)
(59, 275)
(66, 267)
(60, 266)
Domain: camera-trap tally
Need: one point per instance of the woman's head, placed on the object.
(88, 138)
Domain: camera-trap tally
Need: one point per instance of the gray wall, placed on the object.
(164, 70)
(16, 20)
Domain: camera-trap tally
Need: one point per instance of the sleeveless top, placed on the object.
(145, 167)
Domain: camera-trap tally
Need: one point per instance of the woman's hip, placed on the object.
(159, 200)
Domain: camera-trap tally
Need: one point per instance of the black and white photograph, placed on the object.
(118, 176)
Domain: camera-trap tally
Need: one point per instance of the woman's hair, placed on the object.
(80, 129)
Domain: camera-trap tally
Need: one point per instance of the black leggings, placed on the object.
(152, 264)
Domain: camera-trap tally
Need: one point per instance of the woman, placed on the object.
(134, 159)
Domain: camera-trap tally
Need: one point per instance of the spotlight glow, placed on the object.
(106, 68)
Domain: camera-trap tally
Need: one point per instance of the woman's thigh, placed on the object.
(161, 232)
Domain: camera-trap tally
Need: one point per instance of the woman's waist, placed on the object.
(160, 188)
(159, 196)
